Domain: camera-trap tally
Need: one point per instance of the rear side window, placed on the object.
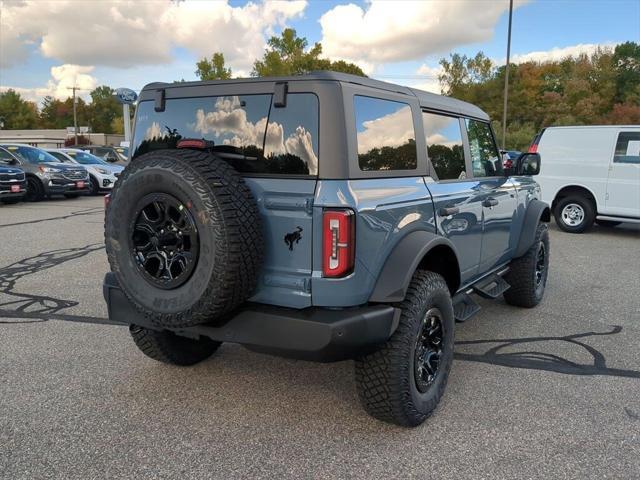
(385, 135)
(485, 159)
(627, 148)
(246, 130)
(444, 145)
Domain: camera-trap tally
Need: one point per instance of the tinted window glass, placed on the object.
(484, 153)
(32, 155)
(60, 157)
(246, 130)
(444, 145)
(385, 135)
(291, 143)
(627, 148)
(5, 157)
(85, 158)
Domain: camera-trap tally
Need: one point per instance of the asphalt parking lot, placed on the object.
(552, 392)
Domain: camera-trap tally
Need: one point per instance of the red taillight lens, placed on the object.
(533, 148)
(338, 243)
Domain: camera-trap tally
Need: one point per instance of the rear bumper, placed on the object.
(316, 334)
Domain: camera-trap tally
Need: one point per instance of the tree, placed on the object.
(17, 113)
(288, 55)
(103, 110)
(626, 61)
(603, 87)
(213, 69)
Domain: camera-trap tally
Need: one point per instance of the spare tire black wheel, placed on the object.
(183, 236)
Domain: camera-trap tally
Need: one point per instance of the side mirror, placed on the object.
(528, 164)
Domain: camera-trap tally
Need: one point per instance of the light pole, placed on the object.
(506, 81)
(75, 114)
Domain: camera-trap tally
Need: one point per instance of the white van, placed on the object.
(590, 174)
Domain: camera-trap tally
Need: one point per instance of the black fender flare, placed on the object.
(406, 256)
(536, 211)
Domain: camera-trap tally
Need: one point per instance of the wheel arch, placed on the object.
(418, 250)
(574, 189)
(537, 211)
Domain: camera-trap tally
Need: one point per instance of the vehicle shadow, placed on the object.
(534, 360)
(31, 307)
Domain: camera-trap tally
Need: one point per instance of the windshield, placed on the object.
(32, 154)
(85, 158)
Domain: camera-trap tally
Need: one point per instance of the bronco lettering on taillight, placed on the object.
(338, 242)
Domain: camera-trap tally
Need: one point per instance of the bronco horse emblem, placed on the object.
(293, 237)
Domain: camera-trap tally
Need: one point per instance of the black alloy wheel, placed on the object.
(428, 350)
(541, 264)
(35, 191)
(165, 241)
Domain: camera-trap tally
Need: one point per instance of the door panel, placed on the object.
(286, 207)
(498, 196)
(463, 226)
(623, 184)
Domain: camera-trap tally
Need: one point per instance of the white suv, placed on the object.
(590, 174)
(103, 175)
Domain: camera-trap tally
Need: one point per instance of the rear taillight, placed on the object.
(533, 148)
(107, 199)
(338, 243)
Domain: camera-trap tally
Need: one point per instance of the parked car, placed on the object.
(102, 175)
(13, 185)
(45, 174)
(358, 228)
(107, 152)
(590, 173)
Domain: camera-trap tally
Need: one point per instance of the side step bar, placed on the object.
(464, 307)
(491, 287)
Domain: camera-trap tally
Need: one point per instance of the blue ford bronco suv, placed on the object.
(322, 217)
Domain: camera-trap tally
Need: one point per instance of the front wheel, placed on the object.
(94, 188)
(167, 347)
(35, 190)
(527, 275)
(405, 379)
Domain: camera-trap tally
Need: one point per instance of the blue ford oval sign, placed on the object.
(126, 95)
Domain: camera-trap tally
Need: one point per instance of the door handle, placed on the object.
(490, 202)
(445, 212)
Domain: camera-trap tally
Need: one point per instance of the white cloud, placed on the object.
(557, 53)
(124, 33)
(63, 77)
(406, 30)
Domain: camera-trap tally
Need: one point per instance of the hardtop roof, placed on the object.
(426, 99)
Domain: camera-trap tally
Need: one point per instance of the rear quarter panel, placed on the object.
(386, 209)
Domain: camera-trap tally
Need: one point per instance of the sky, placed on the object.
(46, 47)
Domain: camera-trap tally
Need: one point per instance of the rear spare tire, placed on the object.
(183, 236)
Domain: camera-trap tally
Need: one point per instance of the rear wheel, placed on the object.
(167, 347)
(35, 190)
(405, 379)
(574, 214)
